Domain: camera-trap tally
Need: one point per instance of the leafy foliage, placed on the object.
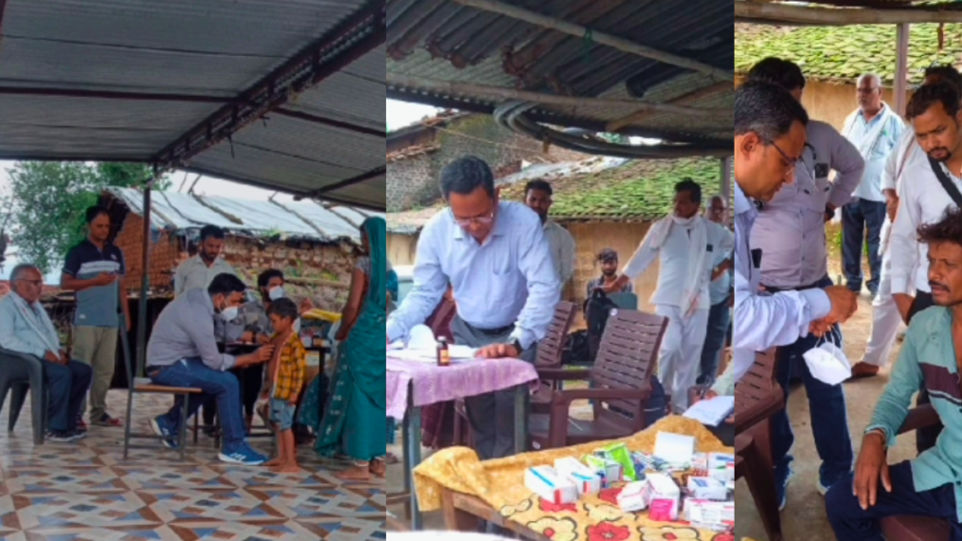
(48, 200)
(845, 52)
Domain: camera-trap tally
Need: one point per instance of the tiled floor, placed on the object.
(86, 490)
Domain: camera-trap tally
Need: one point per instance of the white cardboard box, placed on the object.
(633, 496)
(663, 498)
(586, 479)
(547, 483)
(707, 488)
(710, 515)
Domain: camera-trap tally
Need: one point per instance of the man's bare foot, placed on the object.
(863, 370)
(286, 468)
(273, 462)
(355, 473)
(377, 468)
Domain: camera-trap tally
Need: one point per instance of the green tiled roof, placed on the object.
(636, 191)
(845, 52)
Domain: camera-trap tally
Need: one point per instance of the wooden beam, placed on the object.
(901, 66)
(603, 38)
(776, 13)
(504, 93)
(684, 99)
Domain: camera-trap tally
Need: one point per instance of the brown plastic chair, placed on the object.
(620, 384)
(913, 527)
(757, 397)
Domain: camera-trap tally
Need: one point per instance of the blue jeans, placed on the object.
(67, 386)
(851, 523)
(193, 372)
(857, 216)
(282, 413)
(719, 316)
(827, 407)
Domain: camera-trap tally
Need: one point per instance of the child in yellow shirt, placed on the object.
(284, 379)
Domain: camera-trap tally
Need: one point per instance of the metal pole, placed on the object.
(144, 282)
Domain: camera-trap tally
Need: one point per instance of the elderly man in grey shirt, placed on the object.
(182, 352)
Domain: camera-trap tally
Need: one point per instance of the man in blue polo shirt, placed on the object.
(93, 269)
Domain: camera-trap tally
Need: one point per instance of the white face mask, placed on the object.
(296, 326)
(682, 221)
(275, 293)
(229, 313)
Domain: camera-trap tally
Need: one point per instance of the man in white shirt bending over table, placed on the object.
(505, 286)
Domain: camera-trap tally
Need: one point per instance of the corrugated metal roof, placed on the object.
(298, 219)
(205, 52)
(445, 41)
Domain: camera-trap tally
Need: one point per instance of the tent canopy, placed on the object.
(281, 95)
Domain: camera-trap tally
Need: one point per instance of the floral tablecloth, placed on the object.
(499, 482)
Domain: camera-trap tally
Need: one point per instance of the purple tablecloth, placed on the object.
(434, 383)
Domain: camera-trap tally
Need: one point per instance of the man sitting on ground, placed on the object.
(931, 484)
(26, 328)
(182, 352)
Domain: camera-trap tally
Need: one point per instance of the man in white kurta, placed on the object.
(685, 244)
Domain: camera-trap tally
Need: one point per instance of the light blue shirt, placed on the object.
(927, 357)
(510, 279)
(874, 148)
(763, 321)
(720, 288)
(790, 229)
(26, 328)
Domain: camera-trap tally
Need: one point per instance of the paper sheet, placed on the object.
(674, 448)
(711, 411)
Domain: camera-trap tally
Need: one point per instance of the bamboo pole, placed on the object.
(684, 99)
(504, 93)
(775, 13)
(610, 40)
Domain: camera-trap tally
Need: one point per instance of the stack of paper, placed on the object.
(711, 411)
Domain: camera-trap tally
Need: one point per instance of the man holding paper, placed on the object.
(505, 286)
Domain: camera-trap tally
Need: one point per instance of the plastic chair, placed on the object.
(20, 372)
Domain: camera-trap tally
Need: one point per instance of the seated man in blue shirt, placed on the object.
(931, 484)
(26, 328)
(182, 352)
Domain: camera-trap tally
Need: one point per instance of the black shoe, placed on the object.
(60, 436)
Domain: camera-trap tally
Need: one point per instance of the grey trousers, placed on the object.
(491, 415)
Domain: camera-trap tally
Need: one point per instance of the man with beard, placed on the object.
(902, 161)
(608, 260)
(686, 245)
(931, 484)
(932, 188)
(537, 196)
(200, 270)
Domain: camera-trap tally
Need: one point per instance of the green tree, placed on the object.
(49, 200)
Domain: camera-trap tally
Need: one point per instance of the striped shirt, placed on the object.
(96, 306)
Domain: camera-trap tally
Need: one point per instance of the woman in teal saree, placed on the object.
(352, 423)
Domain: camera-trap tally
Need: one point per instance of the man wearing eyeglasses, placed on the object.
(26, 328)
(790, 232)
(875, 129)
(505, 286)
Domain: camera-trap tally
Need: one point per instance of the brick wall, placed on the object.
(413, 181)
(316, 270)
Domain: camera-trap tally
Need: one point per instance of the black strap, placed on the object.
(946, 182)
